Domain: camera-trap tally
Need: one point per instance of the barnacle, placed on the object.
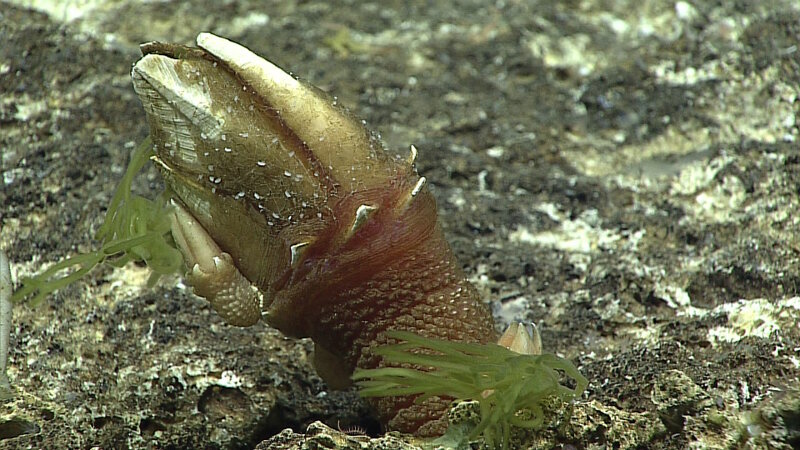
(288, 207)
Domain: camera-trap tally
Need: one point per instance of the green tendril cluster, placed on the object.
(511, 388)
(134, 229)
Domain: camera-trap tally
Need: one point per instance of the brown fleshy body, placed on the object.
(287, 207)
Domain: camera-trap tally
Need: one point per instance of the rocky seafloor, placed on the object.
(624, 173)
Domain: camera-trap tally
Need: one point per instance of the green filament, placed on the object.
(134, 229)
(511, 388)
